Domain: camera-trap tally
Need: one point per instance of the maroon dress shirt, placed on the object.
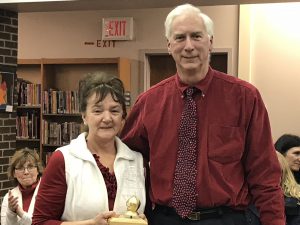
(236, 161)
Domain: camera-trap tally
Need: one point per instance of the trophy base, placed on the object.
(126, 221)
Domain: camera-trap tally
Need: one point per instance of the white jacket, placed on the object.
(86, 193)
(9, 217)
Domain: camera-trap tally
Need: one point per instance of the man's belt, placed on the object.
(199, 214)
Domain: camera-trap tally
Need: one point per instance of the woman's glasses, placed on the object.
(29, 168)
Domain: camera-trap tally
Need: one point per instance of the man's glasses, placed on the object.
(29, 168)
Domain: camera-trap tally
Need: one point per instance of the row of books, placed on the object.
(29, 94)
(60, 133)
(60, 102)
(28, 126)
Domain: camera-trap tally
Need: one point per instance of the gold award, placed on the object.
(131, 216)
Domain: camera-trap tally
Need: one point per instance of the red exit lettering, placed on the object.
(117, 28)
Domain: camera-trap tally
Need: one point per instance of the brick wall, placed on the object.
(8, 63)
(7, 148)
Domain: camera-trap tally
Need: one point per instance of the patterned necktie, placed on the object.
(184, 192)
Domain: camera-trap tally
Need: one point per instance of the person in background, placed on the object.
(207, 137)
(289, 146)
(90, 180)
(291, 190)
(25, 170)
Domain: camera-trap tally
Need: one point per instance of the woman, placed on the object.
(291, 192)
(90, 180)
(289, 146)
(25, 170)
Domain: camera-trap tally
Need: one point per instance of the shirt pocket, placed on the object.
(225, 143)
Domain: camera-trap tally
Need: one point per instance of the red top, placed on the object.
(110, 182)
(27, 194)
(55, 192)
(236, 156)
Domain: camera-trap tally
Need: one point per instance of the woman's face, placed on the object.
(26, 174)
(104, 119)
(292, 156)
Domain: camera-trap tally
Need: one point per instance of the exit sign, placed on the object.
(117, 28)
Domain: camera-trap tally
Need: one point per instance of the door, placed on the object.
(162, 66)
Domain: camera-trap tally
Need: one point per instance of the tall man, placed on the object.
(207, 137)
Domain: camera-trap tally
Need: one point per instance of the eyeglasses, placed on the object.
(29, 168)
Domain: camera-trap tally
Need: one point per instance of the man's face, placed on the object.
(190, 46)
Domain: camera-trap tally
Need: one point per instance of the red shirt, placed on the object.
(53, 189)
(27, 194)
(236, 161)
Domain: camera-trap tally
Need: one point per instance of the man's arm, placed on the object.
(262, 168)
(134, 134)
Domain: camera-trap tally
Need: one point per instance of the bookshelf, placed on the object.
(59, 77)
(28, 111)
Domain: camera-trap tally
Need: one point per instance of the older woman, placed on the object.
(90, 180)
(25, 170)
(289, 146)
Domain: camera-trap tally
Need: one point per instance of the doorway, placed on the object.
(159, 65)
(163, 66)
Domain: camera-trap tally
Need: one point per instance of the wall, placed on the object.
(63, 34)
(264, 46)
(270, 55)
(8, 63)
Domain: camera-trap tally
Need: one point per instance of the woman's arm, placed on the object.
(25, 218)
(100, 219)
(50, 200)
(8, 217)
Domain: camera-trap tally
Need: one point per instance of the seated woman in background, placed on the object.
(289, 146)
(25, 170)
(291, 192)
(90, 180)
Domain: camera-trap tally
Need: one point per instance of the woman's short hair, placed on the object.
(286, 142)
(102, 84)
(188, 9)
(20, 158)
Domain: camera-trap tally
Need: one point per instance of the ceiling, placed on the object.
(76, 5)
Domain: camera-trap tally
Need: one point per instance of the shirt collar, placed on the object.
(79, 149)
(202, 85)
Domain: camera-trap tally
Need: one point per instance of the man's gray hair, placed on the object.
(188, 9)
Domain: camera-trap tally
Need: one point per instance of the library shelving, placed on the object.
(55, 117)
(28, 104)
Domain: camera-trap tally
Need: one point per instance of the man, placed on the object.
(211, 171)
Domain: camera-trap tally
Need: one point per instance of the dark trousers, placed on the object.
(159, 217)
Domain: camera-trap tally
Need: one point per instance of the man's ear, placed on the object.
(211, 40)
(169, 47)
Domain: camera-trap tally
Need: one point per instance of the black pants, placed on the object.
(159, 217)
